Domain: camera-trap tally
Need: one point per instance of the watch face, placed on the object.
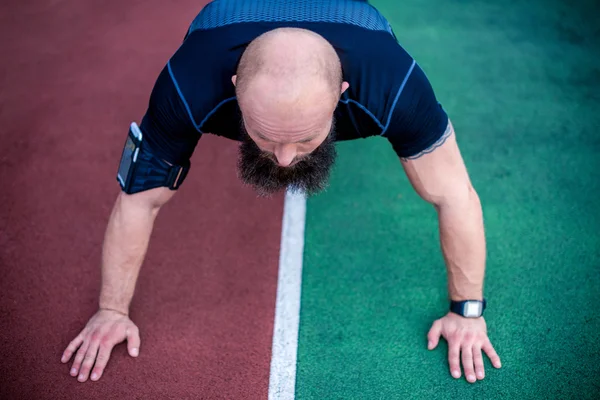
(472, 309)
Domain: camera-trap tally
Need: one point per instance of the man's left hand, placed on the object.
(466, 338)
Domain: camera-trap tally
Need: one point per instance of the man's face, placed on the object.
(308, 171)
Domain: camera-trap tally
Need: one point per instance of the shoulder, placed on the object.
(376, 66)
(418, 119)
(201, 70)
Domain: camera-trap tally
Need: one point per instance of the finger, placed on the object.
(467, 361)
(79, 358)
(88, 361)
(491, 353)
(478, 361)
(101, 360)
(75, 343)
(133, 341)
(433, 337)
(454, 357)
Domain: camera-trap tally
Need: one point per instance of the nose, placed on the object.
(285, 154)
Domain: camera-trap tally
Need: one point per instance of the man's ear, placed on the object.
(234, 79)
(345, 86)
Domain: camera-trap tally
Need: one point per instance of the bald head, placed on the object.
(288, 85)
(299, 61)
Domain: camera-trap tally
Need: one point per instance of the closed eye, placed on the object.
(308, 140)
(303, 141)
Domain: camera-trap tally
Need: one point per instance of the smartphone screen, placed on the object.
(126, 160)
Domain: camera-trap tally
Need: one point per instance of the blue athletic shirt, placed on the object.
(389, 95)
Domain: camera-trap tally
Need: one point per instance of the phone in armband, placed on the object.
(129, 157)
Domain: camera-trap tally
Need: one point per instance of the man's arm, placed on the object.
(125, 244)
(170, 135)
(440, 177)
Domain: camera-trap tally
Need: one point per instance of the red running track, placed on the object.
(74, 75)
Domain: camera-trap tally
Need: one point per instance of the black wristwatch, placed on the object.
(468, 308)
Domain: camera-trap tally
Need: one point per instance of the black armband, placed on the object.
(140, 170)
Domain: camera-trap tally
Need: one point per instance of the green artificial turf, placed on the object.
(520, 81)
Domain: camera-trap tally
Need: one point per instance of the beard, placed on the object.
(309, 174)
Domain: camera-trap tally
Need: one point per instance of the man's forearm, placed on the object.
(463, 245)
(125, 244)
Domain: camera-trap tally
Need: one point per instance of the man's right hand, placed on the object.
(105, 330)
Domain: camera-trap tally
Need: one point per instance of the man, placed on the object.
(288, 80)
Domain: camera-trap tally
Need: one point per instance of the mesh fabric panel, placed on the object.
(225, 12)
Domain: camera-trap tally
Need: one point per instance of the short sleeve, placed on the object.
(418, 120)
(167, 126)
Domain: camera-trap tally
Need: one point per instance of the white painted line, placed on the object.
(282, 382)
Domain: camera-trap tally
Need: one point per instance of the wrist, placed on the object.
(114, 310)
(466, 295)
(107, 306)
(466, 298)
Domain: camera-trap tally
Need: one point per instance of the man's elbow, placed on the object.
(455, 198)
(150, 200)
